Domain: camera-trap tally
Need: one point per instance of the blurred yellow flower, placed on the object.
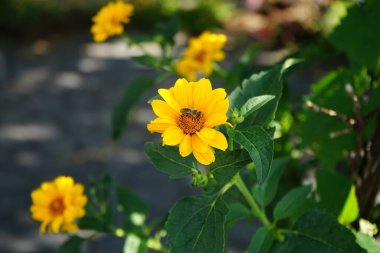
(200, 55)
(58, 203)
(110, 19)
(187, 116)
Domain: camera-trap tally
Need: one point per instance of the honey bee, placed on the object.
(191, 112)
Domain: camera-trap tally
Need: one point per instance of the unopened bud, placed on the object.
(199, 179)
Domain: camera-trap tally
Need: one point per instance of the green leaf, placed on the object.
(255, 103)
(228, 163)
(131, 205)
(261, 241)
(291, 203)
(100, 189)
(72, 245)
(93, 223)
(259, 146)
(363, 49)
(135, 244)
(328, 92)
(350, 210)
(368, 243)
(317, 232)
(264, 83)
(326, 184)
(265, 192)
(152, 61)
(132, 94)
(237, 211)
(197, 224)
(168, 160)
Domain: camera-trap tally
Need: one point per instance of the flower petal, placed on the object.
(182, 92)
(198, 144)
(159, 125)
(185, 147)
(163, 110)
(172, 136)
(205, 158)
(167, 96)
(219, 141)
(215, 120)
(206, 134)
(201, 94)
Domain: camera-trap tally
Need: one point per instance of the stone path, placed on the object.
(55, 108)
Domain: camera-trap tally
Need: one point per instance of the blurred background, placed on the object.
(58, 88)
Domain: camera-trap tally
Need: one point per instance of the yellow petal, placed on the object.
(182, 93)
(207, 134)
(215, 120)
(159, 125)
(167, 96)
(185, 147)
(163, 110)
(56, 225)
(205, 158)
(219, 141)
(198, 144)
(201, 94)
(172, 136)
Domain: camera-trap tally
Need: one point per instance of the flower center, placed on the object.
(190, 121)
(200, 56)
(57, 206)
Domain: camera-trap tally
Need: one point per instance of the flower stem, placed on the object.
(256, 211)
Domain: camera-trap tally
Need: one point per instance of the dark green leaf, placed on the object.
(197, 224)
(367, 243)
(261, 241)
(152, 61)
(72, 245)
(265, 192)
(168, 30)
(100, 189)
(132, 94)
(362, 49)
(135, 244)
(132, 206)
(237, 211)
(259, 146)
(327, 183)
(93, 223)
(291, 203)
(168, 160)
(328, 92)
(264, 83)
(317, 232)
(255, 103)
(228, 163)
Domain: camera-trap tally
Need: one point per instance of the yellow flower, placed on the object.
(201, 54)
(187, 116)
(110, 19)
(58, 203)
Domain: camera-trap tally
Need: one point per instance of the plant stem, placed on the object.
(256, 211)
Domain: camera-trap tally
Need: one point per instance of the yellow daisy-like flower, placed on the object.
(58, 203)
(110, 19)
(201, 54)
(187, 116)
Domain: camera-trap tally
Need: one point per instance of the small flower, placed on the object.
(58, 204)
(201, 54)
(187, 117)
(110, 19)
